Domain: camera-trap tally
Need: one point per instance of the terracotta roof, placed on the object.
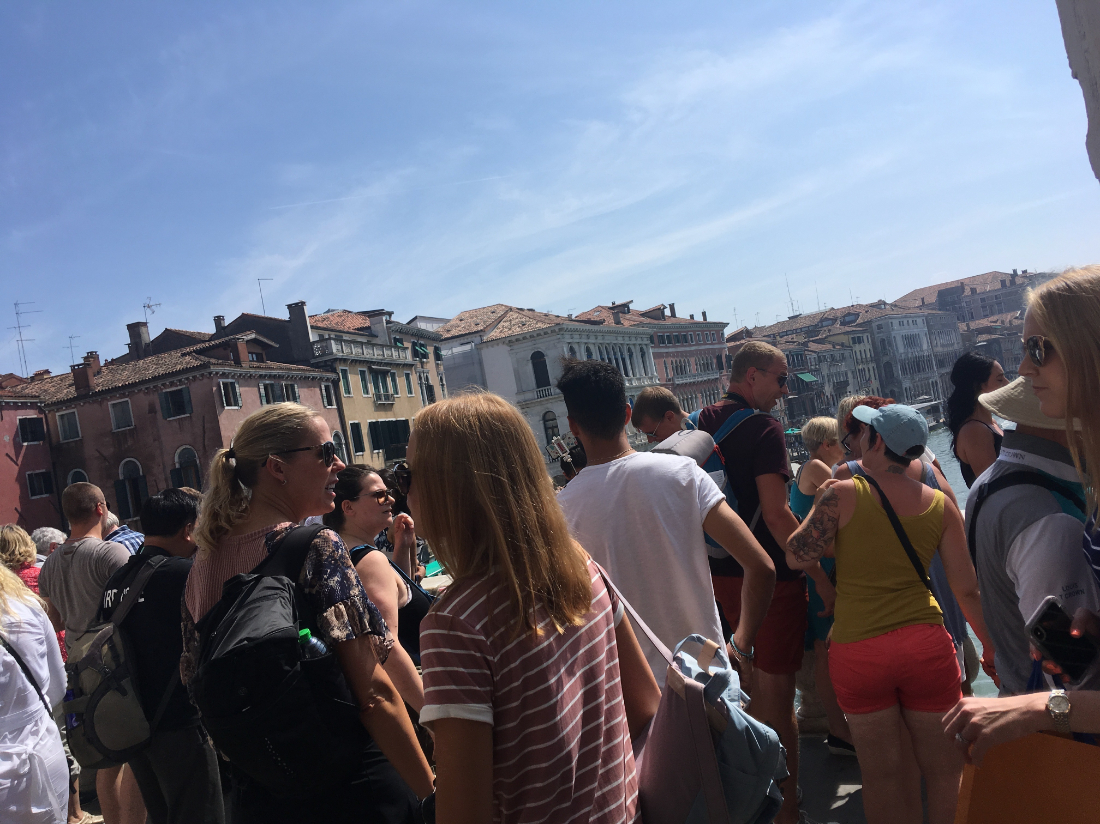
(1003, 319)
(341, 320)
(863, 311)
(473, 320)
(603, 314)
(986, 282)
(517, 321)
(196, 335)
(113, 376)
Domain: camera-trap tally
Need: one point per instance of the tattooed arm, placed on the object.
(815, 535)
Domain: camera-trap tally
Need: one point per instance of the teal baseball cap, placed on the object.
(901, 427)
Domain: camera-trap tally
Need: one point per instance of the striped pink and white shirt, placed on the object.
(561, 744)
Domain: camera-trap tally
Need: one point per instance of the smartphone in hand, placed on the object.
(1048, 630)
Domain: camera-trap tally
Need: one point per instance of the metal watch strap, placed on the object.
(1061, 719)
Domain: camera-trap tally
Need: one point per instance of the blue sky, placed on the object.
(434, 157)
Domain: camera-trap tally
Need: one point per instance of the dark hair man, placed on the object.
(71, 582)
(178, 773)
(642, 516)
(1027, 538)
(757, 470)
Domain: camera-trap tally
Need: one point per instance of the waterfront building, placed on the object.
(976, 297)
(516, 353)
(690, 354)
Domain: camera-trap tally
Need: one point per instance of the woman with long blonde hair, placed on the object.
(281, 469)
(534, 681)
(1061, 339)
(34, 776)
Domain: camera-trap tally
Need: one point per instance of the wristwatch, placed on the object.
(1058, 707)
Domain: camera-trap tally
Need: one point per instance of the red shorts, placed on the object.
(781, 640)
(913, 666)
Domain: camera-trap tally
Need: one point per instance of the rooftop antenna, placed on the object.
(260, 284)
(19, 327)
(736, 325)
(72, 352)
(789, 298)
(150, 308)
(757, 318)
(818, 294)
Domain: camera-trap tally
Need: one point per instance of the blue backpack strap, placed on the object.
(693, 420)
(732, 422)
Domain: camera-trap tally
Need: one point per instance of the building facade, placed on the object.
(976, 297)
(517, 354)
(146, 423)
(29, 493)
(690, 354)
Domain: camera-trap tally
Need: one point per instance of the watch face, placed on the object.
(1058, 704)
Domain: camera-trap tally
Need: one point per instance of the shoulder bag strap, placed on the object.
(409, 582)
(168, 693)
(133, 594)
(642, 625)
(26, 671)
(289, 554)
(900, 530)
(1028, 477)
(732, 422)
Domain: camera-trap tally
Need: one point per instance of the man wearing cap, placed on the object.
(1026, 540)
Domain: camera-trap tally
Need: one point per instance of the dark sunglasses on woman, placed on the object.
(328, 451)
(1037, 347)
(404, 477)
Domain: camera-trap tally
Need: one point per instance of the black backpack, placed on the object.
(287, 722)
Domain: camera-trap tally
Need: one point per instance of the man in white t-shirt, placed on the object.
(642, 516)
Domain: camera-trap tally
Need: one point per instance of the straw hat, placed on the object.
(1017, 402)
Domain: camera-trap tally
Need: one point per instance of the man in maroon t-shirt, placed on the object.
(757, 468)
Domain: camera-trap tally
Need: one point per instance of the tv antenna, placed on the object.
(818, 294)
(736, 325)
(72, 350)
(259, 283)
(789, 298)
(19, 327)
(150, 308)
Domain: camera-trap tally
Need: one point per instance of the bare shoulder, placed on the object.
(373, 563)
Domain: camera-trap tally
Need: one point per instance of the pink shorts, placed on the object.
(914, 666)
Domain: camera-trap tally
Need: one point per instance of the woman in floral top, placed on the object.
(282, 469)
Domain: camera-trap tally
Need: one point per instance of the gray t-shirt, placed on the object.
(1028, 547)
(73, 578)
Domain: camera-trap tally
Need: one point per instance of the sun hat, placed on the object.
(901, 427)
(1017, 402)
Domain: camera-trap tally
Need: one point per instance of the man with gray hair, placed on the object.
(122, 534)
(46, 540)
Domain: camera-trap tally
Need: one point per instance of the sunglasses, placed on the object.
(844, 444)
(328, 451)
(404, 477)
(780, 378)
(1037, 347)
(380, 495)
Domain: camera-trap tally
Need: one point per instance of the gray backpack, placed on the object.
(103, 713)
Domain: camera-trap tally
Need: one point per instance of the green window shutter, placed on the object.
(165, 409)
(143, 492)
(176, 474)
(357, 438)
(280, 395)
(393, 382)
(123, 497)
(187, 408)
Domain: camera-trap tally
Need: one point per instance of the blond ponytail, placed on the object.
(234, 471)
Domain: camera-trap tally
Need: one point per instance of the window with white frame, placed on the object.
(68, 426)
(290, 392)
(364, 382)
(345, 381)
(231, 394)
(328, 397)
(358, 445)
(409, 384)
(186, 471)
(32, 430)
(122, 417)
(77, 476)
(39, 484)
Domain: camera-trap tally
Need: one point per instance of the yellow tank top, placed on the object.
(877, 588)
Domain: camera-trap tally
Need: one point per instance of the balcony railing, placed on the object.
(383, 397)
(354, 348)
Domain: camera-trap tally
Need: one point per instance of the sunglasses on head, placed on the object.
(328, 451)
(404, 477)
(1037, 347)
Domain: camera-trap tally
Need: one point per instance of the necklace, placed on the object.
(626, 451)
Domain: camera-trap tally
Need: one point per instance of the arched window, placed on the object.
(888, 371)
(77, 476)
(131, 489)
(588, 353)
(572, 352)
(645, 360)
(542, 374)
(550, 426)
(630, 357)
(667, 375)
(187, 472)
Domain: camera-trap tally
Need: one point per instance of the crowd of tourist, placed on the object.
(286, 664)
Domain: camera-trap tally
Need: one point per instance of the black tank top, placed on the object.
(408, 616)
(968, 474)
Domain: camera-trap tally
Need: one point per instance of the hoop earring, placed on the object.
(284, 481)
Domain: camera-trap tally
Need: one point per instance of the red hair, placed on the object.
(851, 425)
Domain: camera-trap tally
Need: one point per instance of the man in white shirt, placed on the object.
(642, 516)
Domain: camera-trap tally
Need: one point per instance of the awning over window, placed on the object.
(806, 376)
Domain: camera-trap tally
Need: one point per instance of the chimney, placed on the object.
(92, 359)
(139, 339)
(570, 316)
(1025, 271)
(922, 301)
(83, 378)
(704, 317)
(617, 318)
(219, 326)
(691, 317)
(1014, 272)
(301, 336)
(672, 309)
(378, 318)
(41, 374)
